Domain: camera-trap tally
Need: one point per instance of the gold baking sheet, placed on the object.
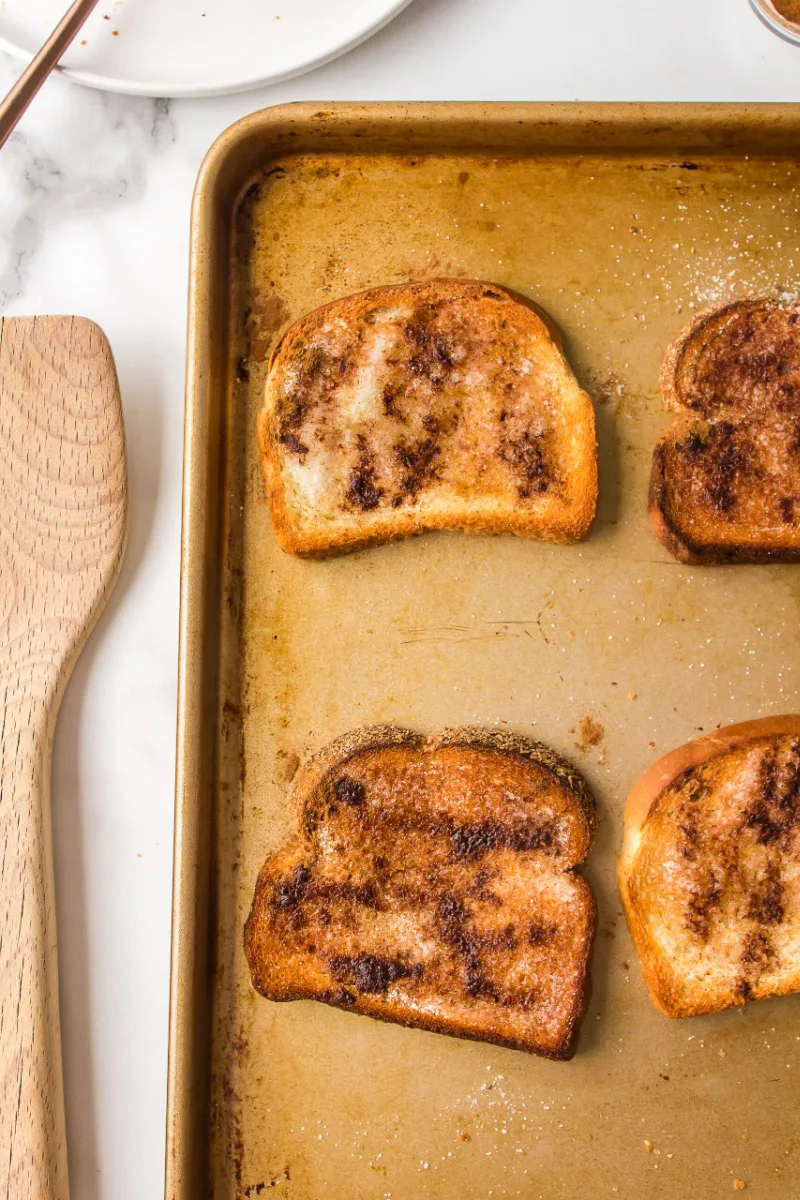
(620, 221)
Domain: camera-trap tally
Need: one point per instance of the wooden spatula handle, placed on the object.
(33, 1156)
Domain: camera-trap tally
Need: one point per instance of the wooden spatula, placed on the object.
(63, 513)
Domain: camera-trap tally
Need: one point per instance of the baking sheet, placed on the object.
(621, 222)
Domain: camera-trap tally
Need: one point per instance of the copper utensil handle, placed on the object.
(34, 75)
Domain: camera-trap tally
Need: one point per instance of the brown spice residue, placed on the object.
(788, 9)
(287, 766)
(266, 316)
(590, 732)
(240, 1043)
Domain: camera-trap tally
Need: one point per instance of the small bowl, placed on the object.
(773, 20)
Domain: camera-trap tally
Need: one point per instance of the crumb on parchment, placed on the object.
(287, 766)
(739, 1185)
(590, 732)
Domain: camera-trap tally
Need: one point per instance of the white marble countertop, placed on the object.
(94, 207)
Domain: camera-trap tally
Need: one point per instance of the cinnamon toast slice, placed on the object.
(438, 405)
(710, 869)
(725, 483)
(433, 883)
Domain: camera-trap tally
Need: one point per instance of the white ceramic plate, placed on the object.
(196, 47)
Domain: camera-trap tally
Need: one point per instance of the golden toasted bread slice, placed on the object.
(433, 883)
(710, 869)
(438, 405)
(725, 485)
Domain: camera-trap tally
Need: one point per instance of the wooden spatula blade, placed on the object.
(63, 516)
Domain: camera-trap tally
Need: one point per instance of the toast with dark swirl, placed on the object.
(710, 869)
(725, 484)
(439, 405)
(434, 883)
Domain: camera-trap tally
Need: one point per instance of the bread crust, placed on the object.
(688, 337)
(311, 788)
(664, 975)
(567, 519)
(709, 541)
